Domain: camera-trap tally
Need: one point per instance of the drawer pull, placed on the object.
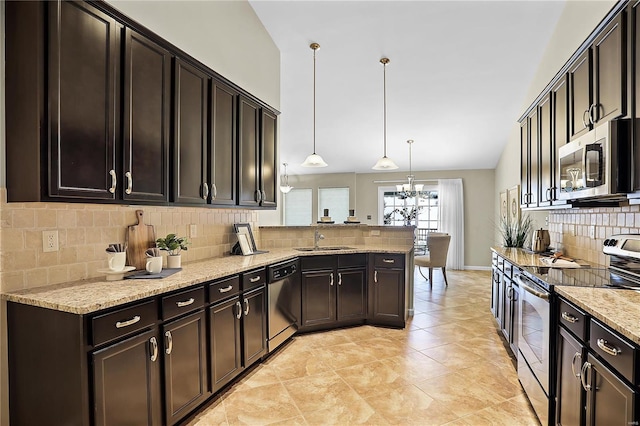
(573, 364)
(568, 317)
(583, 376)
(154, 349)
(254, 279)
(129, 183)
(121, 324)
(169, 342)
(605, 346)
(226, 289)
(389, 260)
(239, 314)
(246, 307)
(375, 276)
(185, 303)
(339, 278)
(114, 181)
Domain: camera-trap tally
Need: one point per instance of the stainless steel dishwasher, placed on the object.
(284, 300)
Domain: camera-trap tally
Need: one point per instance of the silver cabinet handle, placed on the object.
(129, 183)
(214, 191)
(246, 307)
(586, 111)
(573, 364)
(121, 324)
(591, 109)
(583, 376)
(339, 278)
(389, 260)
(154, 349)
(258, 196)
(605, 346)
(263, 195)
(375, 276)
(331, 277)
(239, 314)
(548, 194)
(254, 279)
(205, 190)
(226, 289)
(167, 334)
(185, 303)
(114, 181)
(568, 317)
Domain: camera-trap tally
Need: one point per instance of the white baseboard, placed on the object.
(477, 268)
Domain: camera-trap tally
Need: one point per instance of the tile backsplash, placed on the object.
(571, 229)
(85, 230)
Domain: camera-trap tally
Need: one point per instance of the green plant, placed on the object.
(516, 234)
(172, 244)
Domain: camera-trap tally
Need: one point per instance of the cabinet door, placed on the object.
(185, 365)
(268, 159)
(580, 95)
(609, 76)
(147, 94)
(190, 135)
(318, 298)
(387, 296)
(545, 191)
(248, 153)
(506, 319)
(515, 315)
(83, 85)
(524, 162)
(559, 130)
(224, 340)
(534, 158)
(351, 297)
(495, 291)
(222, 154)
(126, 382)
(609, 401)
(570, 395)
(254, 326)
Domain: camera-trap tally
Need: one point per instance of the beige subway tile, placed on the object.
(46, 218)
(48, 259)
(629, 219)
(84, 218)
(33, 239)
(13, 238)
(77, 272)
(18, 260)
(68, 255)
(36, 277)
(23, 218)
(12, 280)
(66, 219)
(101, 218)
(167, 218)
(58, 274)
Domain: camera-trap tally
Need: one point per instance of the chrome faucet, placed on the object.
(317, 236)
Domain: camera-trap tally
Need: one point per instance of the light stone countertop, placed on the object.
(84, 297)
(619, 309)
(522, 257)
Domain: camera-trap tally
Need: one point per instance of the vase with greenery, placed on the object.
(516, 234)
(173, 245)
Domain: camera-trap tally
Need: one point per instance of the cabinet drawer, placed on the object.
(183, 302)
(494, 258)
(508, 269)
(573, 319)
(312, 263)
(501, 263)
(349, 260)
(124, 321)
(388, 260)
(613, 349)
(254, 278)
(224, 288)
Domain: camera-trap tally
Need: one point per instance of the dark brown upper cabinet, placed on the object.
(83, 85)
(546, 165)
(268, 169)
(222, 152)
(524, 162)
(597, 80)
(146, 104)
(530, 160)
(249, 191)
(190, 134)
(559, 130)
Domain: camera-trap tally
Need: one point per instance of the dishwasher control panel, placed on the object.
(282, 270)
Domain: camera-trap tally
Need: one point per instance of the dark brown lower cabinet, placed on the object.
(610, 401)
(126, 382)
(318, 298)
(569, 392)
(225, 342)
(254, 326)
(387, 296)
(185, 365)
(351, 294)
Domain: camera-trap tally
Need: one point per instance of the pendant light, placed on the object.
(314, 160)
(385, 163)
(409, 189)
(285, 188)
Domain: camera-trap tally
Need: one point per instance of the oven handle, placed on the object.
(539, 294)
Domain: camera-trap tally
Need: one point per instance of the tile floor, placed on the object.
(448, 367)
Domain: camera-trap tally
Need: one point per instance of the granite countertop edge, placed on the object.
(92, 295)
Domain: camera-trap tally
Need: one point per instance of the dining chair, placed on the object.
(437, 248)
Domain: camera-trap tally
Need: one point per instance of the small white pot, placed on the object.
(174, 261)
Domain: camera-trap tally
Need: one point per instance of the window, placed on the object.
(336, 200)
(297, 207)
(420, 210)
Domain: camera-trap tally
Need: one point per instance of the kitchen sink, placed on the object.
(323, 248)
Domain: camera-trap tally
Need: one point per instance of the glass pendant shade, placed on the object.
(314, 160)
(285, 188)
(385, 163)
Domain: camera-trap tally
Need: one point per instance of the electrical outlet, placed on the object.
(50, 241)
(193, 230)
(592, 231)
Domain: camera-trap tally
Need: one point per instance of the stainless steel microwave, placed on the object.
(597, 164)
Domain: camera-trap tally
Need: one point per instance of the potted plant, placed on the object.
(516, 234)
(173, 245)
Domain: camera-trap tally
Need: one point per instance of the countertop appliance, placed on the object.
(536, 307)
(284, 300)
(540, 240)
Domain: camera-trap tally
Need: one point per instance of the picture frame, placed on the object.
(504, 207)
(244, 244)
(513, 201)
(245, 229)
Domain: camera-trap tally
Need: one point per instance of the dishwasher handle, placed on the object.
(531, 288)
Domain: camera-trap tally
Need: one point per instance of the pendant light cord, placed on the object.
(384, 101)
(314, 100)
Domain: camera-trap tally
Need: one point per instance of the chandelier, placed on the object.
(409, 189)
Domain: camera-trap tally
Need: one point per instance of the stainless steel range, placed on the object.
(537, 305)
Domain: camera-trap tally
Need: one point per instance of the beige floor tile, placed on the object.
(503, 414)
(261, 375)
(259, 406)
(344, 355)
(454, 355)
(372, 379)
(297, 363)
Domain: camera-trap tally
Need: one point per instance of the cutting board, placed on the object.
(139, 238)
